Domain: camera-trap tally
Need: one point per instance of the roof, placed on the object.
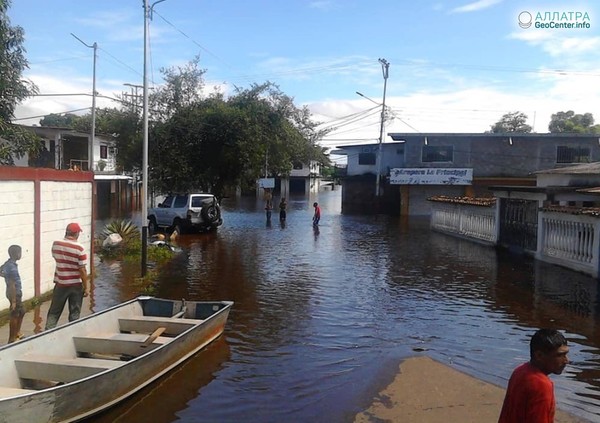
(399, 135)
(551, 189)
(580, 169)
(366, 145)
(108, 177)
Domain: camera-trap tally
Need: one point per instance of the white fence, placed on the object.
(475, 222)
(569, 240)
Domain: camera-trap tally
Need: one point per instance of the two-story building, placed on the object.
(65, 148)
(488, 159)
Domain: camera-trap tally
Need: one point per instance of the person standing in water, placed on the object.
(317, 215)
(282, 209)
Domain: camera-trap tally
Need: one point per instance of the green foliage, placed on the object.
(573, 123)
(60, 120)
(126, 128)
(125, 228)
(13, 87)
(130, 249)
(182, 88)
(14, 141)
(215, 144)
(512, 122)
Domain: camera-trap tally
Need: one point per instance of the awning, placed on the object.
(104, 177)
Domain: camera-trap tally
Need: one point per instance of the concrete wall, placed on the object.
(17, 203)
(35, 207)
(497, 155)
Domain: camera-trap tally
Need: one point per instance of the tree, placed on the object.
(216, 144)
(571, 122)
(182, 87)
(60, 120)
(125, 126)
(512, 122)
(14, 141)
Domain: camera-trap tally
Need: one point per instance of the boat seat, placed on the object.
(61, 369)
(128, 344)
(6, 392)
(148, 324)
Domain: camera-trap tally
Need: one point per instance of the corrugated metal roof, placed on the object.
(580, 169)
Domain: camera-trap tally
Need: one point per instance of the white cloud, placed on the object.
(556, 44)
(475, 6)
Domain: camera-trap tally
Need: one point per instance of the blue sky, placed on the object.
(455, 66)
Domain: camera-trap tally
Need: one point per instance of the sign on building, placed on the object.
(431, 176)
(266, 183)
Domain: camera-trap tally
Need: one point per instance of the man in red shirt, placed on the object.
(70, 276)
(530, 393)
(317, 215)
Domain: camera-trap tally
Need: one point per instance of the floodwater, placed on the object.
(322, 317)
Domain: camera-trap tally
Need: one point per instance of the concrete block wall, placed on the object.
(17, 227)
(36, 205)
(62, 202)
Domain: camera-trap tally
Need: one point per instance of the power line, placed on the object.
(48, 114)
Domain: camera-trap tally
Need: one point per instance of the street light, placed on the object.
(147, 18)
(384, 68)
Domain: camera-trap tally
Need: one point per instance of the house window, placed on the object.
(298, 166)
(366, 158)
(103, 151)
(566, 154)
(437, 153)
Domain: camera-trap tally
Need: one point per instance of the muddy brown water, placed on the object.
(322, 317)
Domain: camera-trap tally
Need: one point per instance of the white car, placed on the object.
(186, 212)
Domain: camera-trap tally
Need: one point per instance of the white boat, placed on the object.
(76, 370)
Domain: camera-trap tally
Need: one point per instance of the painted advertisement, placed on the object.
(431, 176)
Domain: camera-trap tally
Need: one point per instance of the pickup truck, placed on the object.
(185, 213)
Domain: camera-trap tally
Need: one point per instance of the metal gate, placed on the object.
(519, 223)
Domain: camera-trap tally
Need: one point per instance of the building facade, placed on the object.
(492, 159)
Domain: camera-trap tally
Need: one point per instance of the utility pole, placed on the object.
(147, 18)
(93, 140)
(384, 68)
(134, 98)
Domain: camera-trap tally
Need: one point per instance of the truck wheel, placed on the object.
(177, 227)
(152, 226)
(211, 213)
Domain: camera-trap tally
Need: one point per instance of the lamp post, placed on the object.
(91, 146)
(147, 18)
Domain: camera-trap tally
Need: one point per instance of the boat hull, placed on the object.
(139, 366)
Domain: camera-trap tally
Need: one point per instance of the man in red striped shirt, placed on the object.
(70, 277)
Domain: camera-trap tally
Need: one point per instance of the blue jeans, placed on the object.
(60, 295)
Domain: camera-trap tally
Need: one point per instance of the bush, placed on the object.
(130, 248)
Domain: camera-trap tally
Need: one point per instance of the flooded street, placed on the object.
(323, 317)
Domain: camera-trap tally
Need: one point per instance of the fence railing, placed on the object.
(570, 240)
(567, 239)
(477, 222)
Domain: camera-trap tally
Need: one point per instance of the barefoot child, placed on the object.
(14, 293)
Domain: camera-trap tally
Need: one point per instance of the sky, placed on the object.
(454, 66)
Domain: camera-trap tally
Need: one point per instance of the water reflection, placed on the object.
(322, 315)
